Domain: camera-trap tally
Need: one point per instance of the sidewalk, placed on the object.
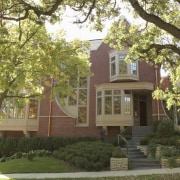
(91, 174)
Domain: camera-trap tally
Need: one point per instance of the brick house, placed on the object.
(118, 95)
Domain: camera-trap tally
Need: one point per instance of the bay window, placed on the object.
(10, 110)
(113, 102)
(120, 70)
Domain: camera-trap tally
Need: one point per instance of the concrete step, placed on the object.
(141, 130)
(138, 160)
(144, 162)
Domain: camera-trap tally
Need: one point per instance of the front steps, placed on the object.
(137, 159)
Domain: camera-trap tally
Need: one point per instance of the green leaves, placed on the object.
(31, 58)
(152, 42)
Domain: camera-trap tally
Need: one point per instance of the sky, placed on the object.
(73, 31)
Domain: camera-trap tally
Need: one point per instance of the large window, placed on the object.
(33, 109)
(11, 110)
(111, 102)
(78, 98)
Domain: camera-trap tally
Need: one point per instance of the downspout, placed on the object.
(158, 105)
(50, 111)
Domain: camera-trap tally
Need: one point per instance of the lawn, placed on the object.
(37, 165)
(51, 165)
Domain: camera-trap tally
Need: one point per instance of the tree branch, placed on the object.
(174, 31)
(160, 47)
(36, 10)
(89, 12)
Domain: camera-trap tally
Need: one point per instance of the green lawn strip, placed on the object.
(37, 165)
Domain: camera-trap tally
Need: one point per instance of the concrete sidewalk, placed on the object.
(91, 174)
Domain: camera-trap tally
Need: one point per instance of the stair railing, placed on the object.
(125, 140)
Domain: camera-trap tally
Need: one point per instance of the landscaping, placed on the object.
(59, 155)
(163, 144)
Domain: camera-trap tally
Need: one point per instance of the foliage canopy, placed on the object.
(28, 52)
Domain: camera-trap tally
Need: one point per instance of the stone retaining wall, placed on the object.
(117, 164)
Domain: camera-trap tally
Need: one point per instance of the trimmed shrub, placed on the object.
(91, 156)
(10, 146)
(165, 129)
(118, 153)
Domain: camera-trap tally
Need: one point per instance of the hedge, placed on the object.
(11, 145)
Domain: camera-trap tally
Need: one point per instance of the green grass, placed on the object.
(50, 165)
(38, 165)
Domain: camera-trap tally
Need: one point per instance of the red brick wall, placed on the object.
(66, 126)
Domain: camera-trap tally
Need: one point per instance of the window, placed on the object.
(122, 64)
(82, 115)
(21, 112)
(111, 102)
(99, 103)
(133, 68)
(78, 98)
(113, 66)
(4, 110)
(10, 110)
(117, 102)
(108, 102)
(33, 109)
(120, 70)
(72, 99)
(82, 97)
(127, 102)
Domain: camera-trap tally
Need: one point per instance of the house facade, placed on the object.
(118, 95)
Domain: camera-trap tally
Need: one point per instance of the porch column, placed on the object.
(26, 133)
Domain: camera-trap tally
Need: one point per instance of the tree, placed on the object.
(31, 59)
(155, 40)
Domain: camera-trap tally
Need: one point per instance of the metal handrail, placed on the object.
(124, 139)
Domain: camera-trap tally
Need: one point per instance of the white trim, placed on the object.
(60, 106)
(56, 116)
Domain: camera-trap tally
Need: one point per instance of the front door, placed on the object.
(143, 113)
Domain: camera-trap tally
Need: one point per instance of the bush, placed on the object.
(30, 156)
(91, 156)
(168, 151)
(165, 129)
(118, 153)
(152, 149)
(146, 139)
(19, 155)
(10, 146)
(156, 124)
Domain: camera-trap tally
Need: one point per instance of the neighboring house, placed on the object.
(118, 95)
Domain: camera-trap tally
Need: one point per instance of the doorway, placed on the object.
(143, 113)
